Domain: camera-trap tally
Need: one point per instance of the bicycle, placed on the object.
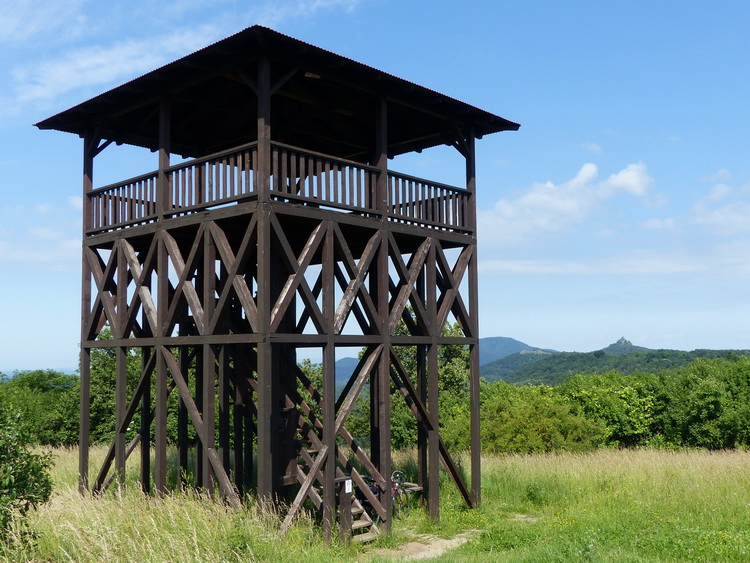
(401, 493)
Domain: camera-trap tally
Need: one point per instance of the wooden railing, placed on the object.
(420, 202)
(322, 180)
(297, 176)
(123, 204)
(214, 180)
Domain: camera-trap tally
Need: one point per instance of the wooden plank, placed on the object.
(301, 283)
(409, 278)
(139, 274)
(351, 393)
(303, 490)
(183, 269)
(234, 264)
(299, 267)
(454, 277)
(225, 484)
(401, 379)
(357, 275)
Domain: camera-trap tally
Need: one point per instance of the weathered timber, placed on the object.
(281, 229)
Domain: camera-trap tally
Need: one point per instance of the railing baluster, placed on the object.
(297, 174)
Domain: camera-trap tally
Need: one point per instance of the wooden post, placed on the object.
(209, 362)
(345, 511)
(146, 422)
(162, 269)
(433, 435)
(160, 394)
(381, 156)
(121, 365)
(89, 142)
(422, 351)
(163, 195)
(267, 430)
(476, 459)
(329, 388)
(383, 305)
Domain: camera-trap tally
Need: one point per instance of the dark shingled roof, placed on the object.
(324, 102)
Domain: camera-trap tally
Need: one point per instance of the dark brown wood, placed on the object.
(433, 375)
(160, 392)
(474, 384)
(224, 268)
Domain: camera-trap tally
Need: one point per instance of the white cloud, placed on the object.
(638, 262)
(98, 66)
(722, 175)
(656, 223)
(725, 211)
(76, 202)
(549, 207)
(61, 254)
(274, 13)
(593, 147)
(22, 20)
(45, 233)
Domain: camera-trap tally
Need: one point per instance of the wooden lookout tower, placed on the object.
(273, 226)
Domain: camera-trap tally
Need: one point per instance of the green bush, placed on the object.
(534, 420)
(25, 480)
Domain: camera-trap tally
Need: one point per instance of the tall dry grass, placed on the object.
(126, 525)
(609, 505)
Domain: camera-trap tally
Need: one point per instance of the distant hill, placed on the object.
(490, 349)
(622, 356)
(497, 347)
(510, 360)
(623, 346)
(344, 369)
(506, 367)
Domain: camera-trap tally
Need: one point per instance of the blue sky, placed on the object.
(620, 208)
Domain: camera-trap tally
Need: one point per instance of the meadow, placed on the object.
(607, 505)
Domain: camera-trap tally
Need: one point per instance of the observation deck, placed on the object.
(298, 176)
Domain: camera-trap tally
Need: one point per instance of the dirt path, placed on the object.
(426, 547)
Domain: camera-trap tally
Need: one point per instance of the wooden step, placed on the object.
(359, 524)
(365, 538)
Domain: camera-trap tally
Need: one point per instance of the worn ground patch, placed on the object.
(425, 547)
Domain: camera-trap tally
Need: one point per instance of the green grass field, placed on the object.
(609, 505)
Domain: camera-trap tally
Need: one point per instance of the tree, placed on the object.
(40, 397)
(25, 481)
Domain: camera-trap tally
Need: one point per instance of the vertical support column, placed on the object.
(422, 390)
(162, 269)
(381, 156)
(238, 416)
(383, 405)
(267, 428)
(85, 381)
(224, 399)
(146, 422)
(160, 389)
(433, 436)
(264, 129)
(163, 196)
(121, 365)
(329, 388)
(476, 460)
(182, 413)
(209, 361)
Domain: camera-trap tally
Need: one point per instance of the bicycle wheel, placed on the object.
(401, 505)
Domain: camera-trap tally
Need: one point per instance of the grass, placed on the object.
(610, 505)
(613, 505)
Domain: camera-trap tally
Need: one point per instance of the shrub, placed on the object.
(534, 420)
(25, 480)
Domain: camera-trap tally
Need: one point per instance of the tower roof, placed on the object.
(322, 101)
